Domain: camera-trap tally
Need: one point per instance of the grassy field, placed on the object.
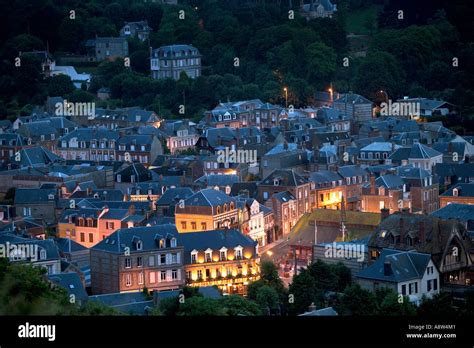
(357, 20)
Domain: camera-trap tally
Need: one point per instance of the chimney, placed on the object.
(384, 213)
(402, 230)
(372, 184)
(387, 269)
(422, 235)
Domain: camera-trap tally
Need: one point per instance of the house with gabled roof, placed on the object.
(281, 180)
(206, 210)
(447, 241)
(408, 273)
(132, 259)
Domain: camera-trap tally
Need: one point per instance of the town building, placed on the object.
(132, 259)
(206, 210)
(171, 61)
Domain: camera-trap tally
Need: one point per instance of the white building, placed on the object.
(408, 273)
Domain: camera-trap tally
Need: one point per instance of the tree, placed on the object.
(267, 299)
(390, 303)
(237, 305)
(304, 291)
(357, 301)
(59, 85)
(440, 304)
(200, 306)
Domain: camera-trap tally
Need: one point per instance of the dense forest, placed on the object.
(415, 48)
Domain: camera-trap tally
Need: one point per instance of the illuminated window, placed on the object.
(208, 255)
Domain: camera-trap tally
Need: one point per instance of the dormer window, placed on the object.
(223, 254)
(276, 182)
(209, 255)
(455, 192)
(173, 242)
(43, 254)
(162, 243)
(194, 256)
(238, 252)
(139, 245)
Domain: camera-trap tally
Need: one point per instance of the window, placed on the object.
(199, 274)
(174, 274)
(139, 261)
(43, 254)
(152, 277)
(208, 255)
(183, 225)
(193, 257)
(109, 225)
(140, 278)
(91, 238)
(435, 284)
(174, 258)
(193, 225)
(151, 260)
(428, 285)
(404, 289)
(128, 280)
(83, 237)
(26, 211)
(238, 253)
(173, 242)
(163, 259)
(223, 255)
(128, 262)
(139, 245)
(163, 276)
(204, 226)
(265, 195)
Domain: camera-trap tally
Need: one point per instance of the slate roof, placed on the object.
(208, 197)
(35, 196)
(88, 134)
(464, 190)
(324, 176)
(284, 196)
(328, 311)
(389, 181)
(420, 151)
(176, 51)
(448, 148)
(380, 146)
(48, 245)
(461, 212)
(461, 170)
(251, 187)
(132, 303)
(72, 283)
(352, 98)
(286, 177)
(174, 195)
(410, 172)
(351, 170)
(405, 266)
(36, 156)
(126, 237)
(214, 240)
(217, 180)
(66, 245)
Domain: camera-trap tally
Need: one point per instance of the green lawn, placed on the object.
(357, 20)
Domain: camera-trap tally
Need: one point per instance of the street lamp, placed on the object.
(286, 97)
(385, 93)
(331, 94)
